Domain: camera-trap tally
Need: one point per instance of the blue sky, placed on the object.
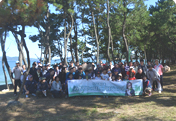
(11, 46)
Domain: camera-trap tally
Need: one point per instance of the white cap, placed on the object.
(131, 67)
(120, 74)
(17, 62)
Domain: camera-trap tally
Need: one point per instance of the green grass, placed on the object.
(157, 107)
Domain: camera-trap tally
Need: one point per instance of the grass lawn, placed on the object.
(157, 107)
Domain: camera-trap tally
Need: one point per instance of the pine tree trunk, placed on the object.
(76, 42)
(65, 44)
(96, 36)
(5, 75)
(109, 36)
(48, 35)
(20, 47)
(123, 33)
(28, 66)
(71, 49)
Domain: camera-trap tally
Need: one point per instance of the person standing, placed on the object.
(17, 70)
(153, 76)
(159, 68)
(141, 65)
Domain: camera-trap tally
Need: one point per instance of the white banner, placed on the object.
(85, 87)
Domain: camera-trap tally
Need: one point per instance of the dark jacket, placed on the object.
(139, 76)
(31, 85)
(42, 86)
(62, 77)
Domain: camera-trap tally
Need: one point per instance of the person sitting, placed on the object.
(104, 75)
(140, 74)
(42, 88)
(113, 78)
(56, 88)
(70, 77)
(72, 72)
(80, 72)
(131, 74)
(115, 74)
(147, 88)
(98, 76)
(50, 76)
(30, 86)
(110, 75)
(126, 78)
(87, 76)
(119, 78)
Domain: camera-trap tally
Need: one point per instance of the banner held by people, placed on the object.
(85, 87)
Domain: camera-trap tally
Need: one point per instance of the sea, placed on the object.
(12, 65)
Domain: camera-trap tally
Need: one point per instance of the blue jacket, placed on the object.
(68, 74)
(77, 74)
(42, 86)
(31, 85)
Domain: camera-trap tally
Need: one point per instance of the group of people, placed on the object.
(44, 80)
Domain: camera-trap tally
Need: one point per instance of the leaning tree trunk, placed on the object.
(76, 42)
(20, 48)
(28, 67)
(65, 43)
(71, 49)
(123, 34)
(5, 57)
(5, 75)
(96, 37)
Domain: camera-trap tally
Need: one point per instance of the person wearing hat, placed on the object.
(115, 74)
(119, 78)
(42, 88)
(153, 76)
(38, 64)
(98, 75)
(131, 73)
(17, 70)
(30, 86)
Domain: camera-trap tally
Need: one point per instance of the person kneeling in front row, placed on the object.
(30, 86)
(56, 88)
(42, 88)
(147, 86)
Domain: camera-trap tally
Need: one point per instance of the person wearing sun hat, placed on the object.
(17, 70)
(42, 88)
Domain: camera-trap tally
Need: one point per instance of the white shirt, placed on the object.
(105, 76)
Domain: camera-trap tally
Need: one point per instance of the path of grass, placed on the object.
(157, 107)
